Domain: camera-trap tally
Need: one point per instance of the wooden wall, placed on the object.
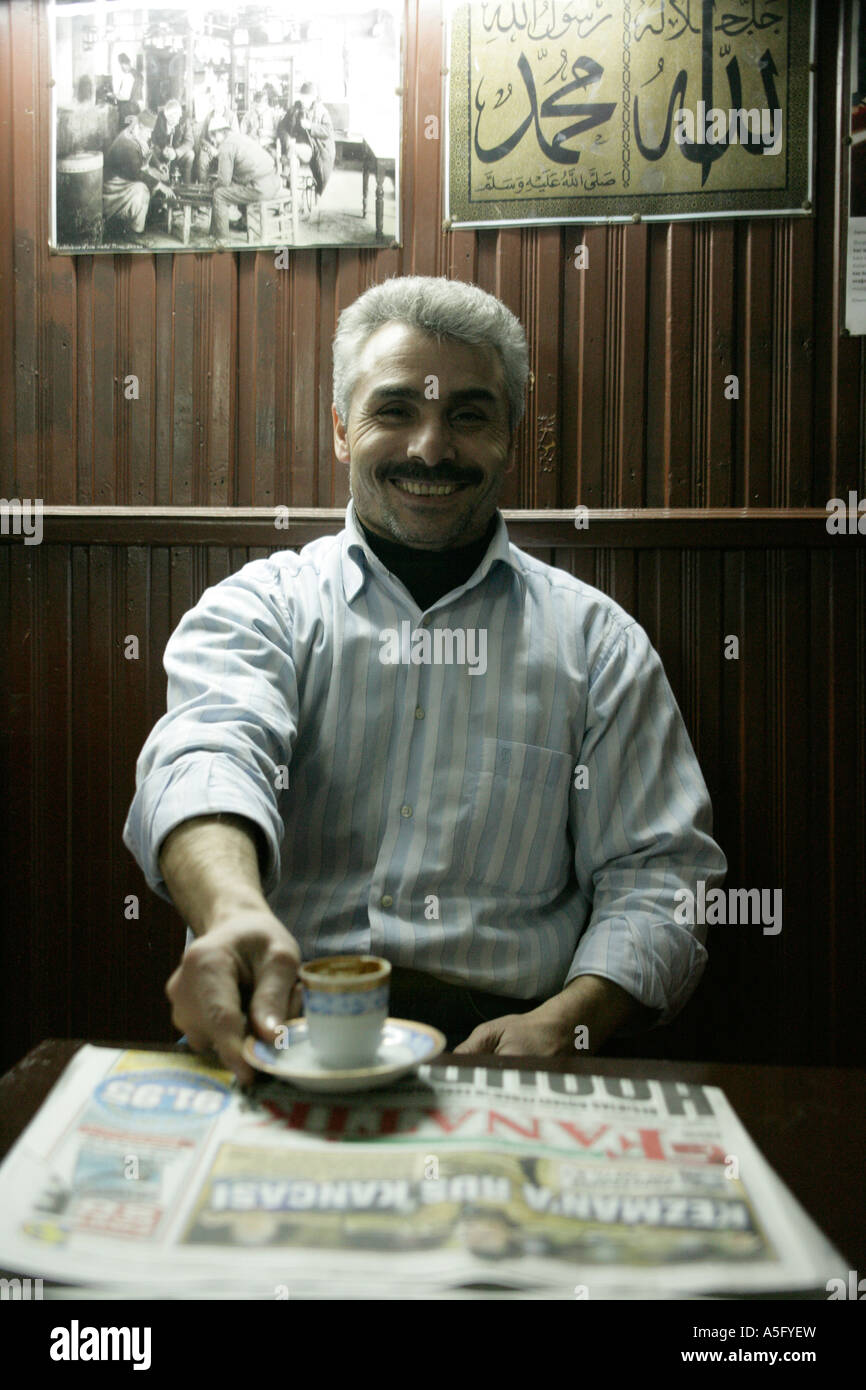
(626, 411)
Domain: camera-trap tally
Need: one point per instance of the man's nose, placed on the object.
(431, 441)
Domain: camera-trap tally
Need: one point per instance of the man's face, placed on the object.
(460, 443)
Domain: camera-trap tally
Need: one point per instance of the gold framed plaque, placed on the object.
(616, 110)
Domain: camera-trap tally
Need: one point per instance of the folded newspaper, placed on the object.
(153, 1173)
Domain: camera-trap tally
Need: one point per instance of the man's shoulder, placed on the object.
(567, 590)
(589, 624)
(284, 566)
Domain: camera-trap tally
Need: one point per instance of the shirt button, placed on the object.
(406, 811)
(419, 713)
(425, 621)
(387, 901)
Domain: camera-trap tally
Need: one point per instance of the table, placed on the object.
(190, 197)
(381, 166)
(809, 1122)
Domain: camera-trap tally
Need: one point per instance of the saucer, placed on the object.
(403, 1047)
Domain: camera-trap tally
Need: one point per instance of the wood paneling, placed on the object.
(147, 502)
(630, 356)
(780, 735)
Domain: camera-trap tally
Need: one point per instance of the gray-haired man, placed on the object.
(512, 838)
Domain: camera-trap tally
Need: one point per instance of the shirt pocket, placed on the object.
(515, 813)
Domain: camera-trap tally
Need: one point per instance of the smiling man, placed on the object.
(511, 838)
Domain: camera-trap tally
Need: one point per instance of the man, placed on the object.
(174, 140)
(129, 180)
(245, 174)
(217, 116)
(222, 116)
(259, 123)
(128, 88)
(510, 833)
(309, 125)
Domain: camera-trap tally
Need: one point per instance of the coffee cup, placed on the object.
(346, 1005)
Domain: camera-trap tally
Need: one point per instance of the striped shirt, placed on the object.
(507, 823)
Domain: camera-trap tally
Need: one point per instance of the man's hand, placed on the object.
(248, 964)
(243, 960)
(549, 1031)
(518, 1035)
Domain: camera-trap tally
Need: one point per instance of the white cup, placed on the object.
(346, 1005)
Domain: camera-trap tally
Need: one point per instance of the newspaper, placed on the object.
(153, 1172)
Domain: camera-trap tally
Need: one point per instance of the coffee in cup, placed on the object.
(346, 1005)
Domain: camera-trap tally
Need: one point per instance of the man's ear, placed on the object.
(341, 442)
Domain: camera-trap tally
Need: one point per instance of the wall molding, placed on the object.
(716, 528)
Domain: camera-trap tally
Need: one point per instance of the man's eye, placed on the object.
(467, 416)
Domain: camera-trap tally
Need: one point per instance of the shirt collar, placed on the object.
(356, 557)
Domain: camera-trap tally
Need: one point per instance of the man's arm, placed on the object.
(243, 960)
(206, 786)
(600, 1005)
(226, 163)
(641, 827)
(226, 739)
(210, 865)
(589, 1001)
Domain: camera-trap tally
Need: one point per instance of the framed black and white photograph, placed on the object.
(186, 127)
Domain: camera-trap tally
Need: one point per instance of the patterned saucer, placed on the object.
(403, 1047)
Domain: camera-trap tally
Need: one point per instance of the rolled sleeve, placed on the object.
(642, 829)
(231, 721)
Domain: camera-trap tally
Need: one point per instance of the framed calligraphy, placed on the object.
(614, 110)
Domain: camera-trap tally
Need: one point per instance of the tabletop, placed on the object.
(809, 1122)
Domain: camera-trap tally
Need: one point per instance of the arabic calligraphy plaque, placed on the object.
(597, 110)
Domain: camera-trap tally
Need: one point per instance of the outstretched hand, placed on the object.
(246, 967)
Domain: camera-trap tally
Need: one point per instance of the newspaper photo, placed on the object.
(152, 1171)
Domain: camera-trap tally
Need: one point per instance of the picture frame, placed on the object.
(185, 127)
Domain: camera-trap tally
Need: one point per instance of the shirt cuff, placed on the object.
(658, 963)
(198, 785)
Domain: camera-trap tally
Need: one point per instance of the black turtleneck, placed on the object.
(428, 574)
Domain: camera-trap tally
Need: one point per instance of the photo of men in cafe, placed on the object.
(317, 98)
